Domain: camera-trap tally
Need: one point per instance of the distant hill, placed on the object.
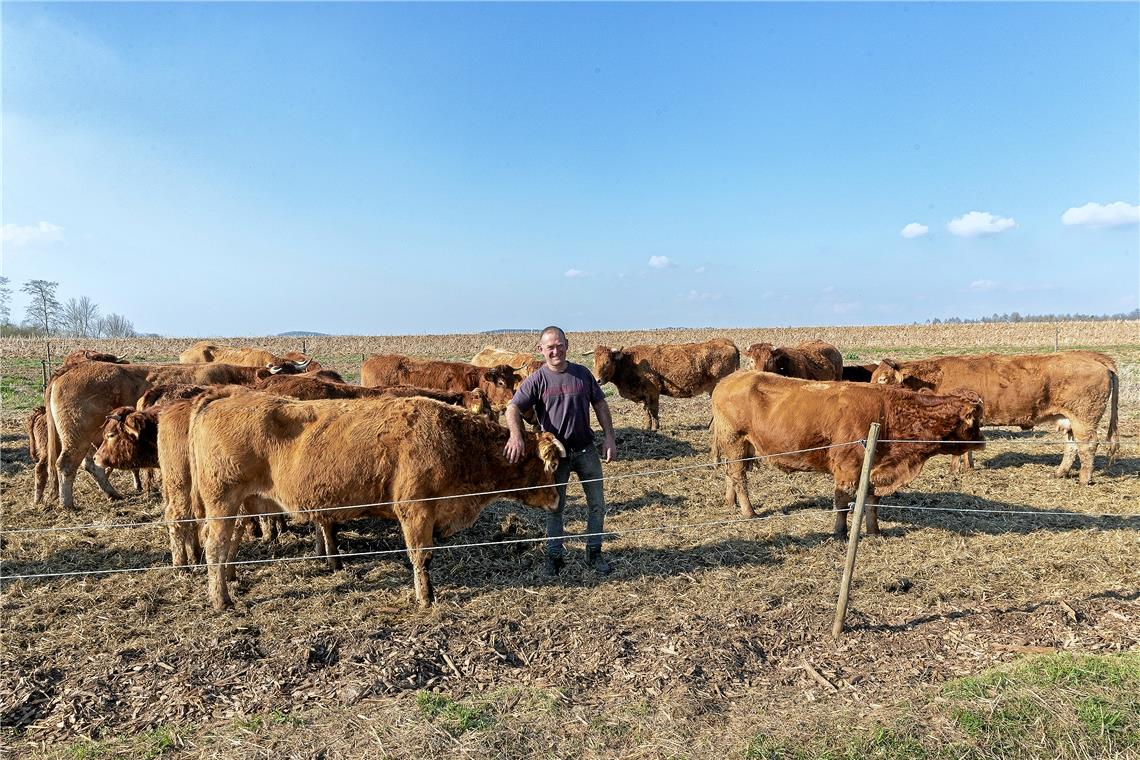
(511, 330)
(301, 334)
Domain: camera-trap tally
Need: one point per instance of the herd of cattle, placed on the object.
(241, 436)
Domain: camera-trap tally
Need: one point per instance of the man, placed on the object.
(562, 393)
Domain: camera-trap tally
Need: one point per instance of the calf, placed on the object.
(386, 370)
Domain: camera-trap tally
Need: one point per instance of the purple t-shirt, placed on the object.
(562, 401)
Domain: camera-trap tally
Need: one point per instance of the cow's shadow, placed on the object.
(1014, 459)
(14, 449)
(633, 443)
(648, 499)
(966, 514)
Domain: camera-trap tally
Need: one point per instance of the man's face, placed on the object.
(553, 347)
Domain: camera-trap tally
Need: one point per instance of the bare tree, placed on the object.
(81, 317)
(116, 326)
(5, 300)
(44, 312)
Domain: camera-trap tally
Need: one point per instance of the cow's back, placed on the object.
(685, 369)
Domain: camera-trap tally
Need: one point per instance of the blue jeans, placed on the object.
(588, 466)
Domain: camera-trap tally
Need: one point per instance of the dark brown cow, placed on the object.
(385, 370)
(393, 456)
(813, 360)
(1072, 389)
(760, 414)
(79, 401)
(645, 373)
(858, 373)
(204, 352)
(306, 388)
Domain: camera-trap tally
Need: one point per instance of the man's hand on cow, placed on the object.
(514, 449)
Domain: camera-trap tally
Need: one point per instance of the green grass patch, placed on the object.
(1070, 707)
(455, 716)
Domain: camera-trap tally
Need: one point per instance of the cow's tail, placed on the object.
(1113, 403)
(33, 450)
(53, 444)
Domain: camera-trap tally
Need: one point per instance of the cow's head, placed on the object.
(550, 451)
(304, 363)
(887, 373)
(970, 415)
(130, 440)
(476, 402)
(288, 366)
(761, 355)
(606, 361)
(499, 384)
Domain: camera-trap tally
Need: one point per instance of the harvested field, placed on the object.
(711, 639)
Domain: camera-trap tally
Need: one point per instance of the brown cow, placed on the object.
(37, 427)
(645, 373)
(522, 364)
(1072, 389)
(204, 352)
(79, 401)
(813, 360)
(762, 414)
(393, 457)
(385, 370)
(306, 388)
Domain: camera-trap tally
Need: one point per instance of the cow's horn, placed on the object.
(302, 365)
(273, 370)
(115, 416)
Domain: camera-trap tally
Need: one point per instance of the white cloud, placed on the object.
(31, 234)
(693, 295)
(701, 270)
(983, 285)
(575, 273)
(978, 223)
(914, 229)
(845, 307)
(829, 289)
(660, 262)
(1095, 215)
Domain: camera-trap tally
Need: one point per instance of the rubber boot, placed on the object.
(553, 565)
(595, 560)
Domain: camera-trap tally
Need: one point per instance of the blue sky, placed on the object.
(381, 168)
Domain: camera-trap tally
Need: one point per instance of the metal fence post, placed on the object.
(853, 536)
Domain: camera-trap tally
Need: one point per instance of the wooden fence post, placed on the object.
(43, 365)
(853, 536)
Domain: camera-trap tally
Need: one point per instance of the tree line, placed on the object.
(46, 316)
(1016, 317)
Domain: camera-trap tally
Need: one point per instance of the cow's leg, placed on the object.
(326, 545)
(842, 499)
(736, 488)
(138, 481)
(652, 410)
(66, 465)
(1087, 442)
(219, 534)
(417, 528)
(100, 476)
(41, 478)
(871, 509)
(1068, 457)
(240, 528)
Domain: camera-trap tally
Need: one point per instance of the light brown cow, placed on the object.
(645, 373)
(813, 360)
(79, 401)
(385, 370)
(204, 352)
(1072, 389)
(761, 414)
(390, 457)
(522, 364)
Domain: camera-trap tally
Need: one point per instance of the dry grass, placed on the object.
(700, 645)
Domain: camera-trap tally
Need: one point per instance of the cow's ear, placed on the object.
(132, 426)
